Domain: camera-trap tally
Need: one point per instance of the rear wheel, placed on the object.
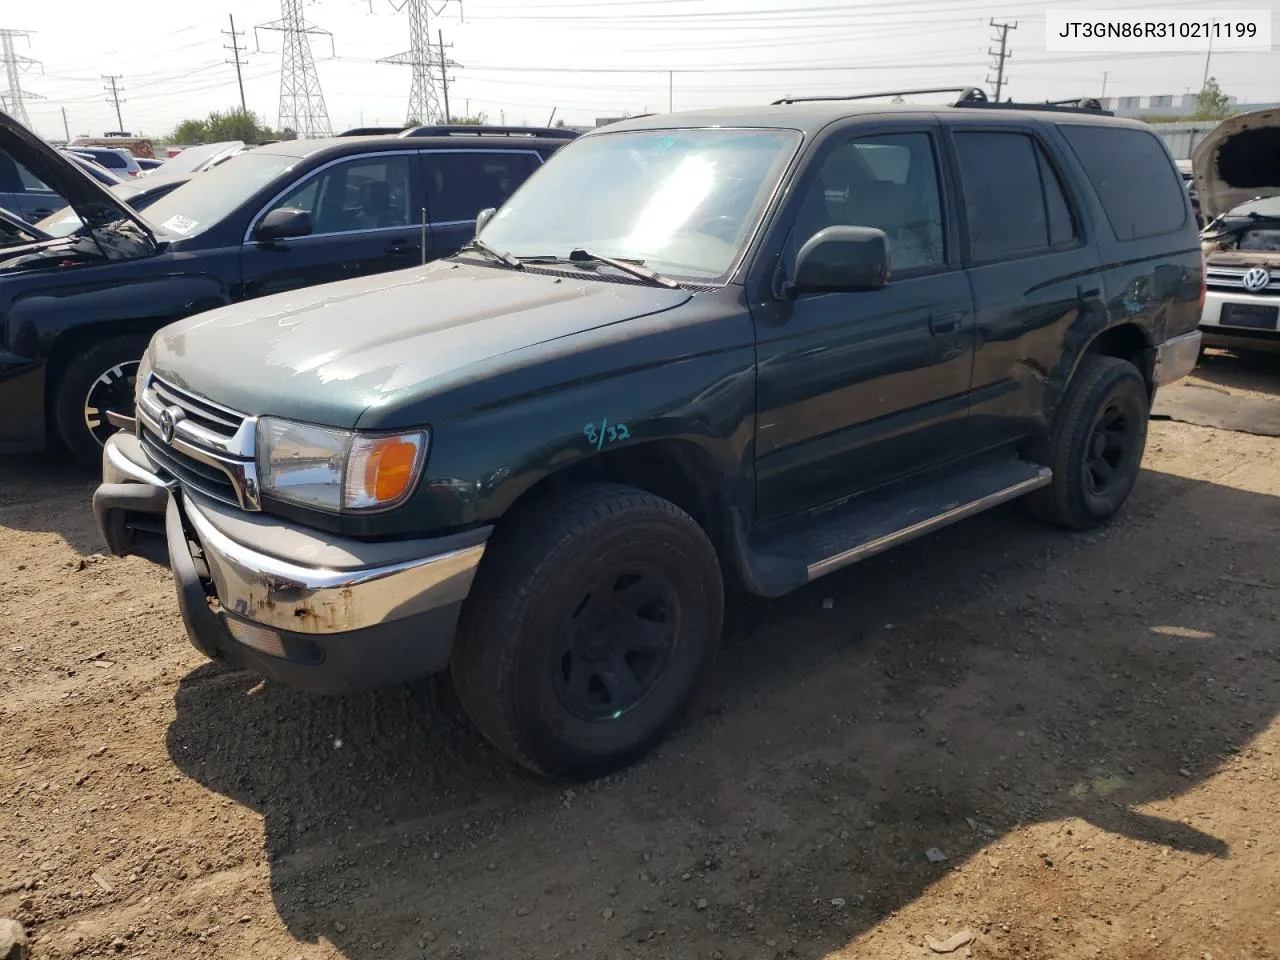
(1097, 449)
(98, 379)
(589, 626)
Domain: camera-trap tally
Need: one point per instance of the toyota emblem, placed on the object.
(169, 418)
(1256, 279)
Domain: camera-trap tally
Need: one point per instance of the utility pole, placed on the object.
(235, 53)
(14, 67)
(1003, 54)
(1207, 57)
(66, 127)
(115, 97)
(424, 98)
(444, 77)
(1105, 74)
(302, 108)
(671, 90)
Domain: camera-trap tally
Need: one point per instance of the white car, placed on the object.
(119, 161)
(1237, 171)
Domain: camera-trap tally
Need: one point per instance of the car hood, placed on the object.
(91, 201)
(327, 354)
(1238, 161)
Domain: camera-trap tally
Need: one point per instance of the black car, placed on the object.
(777, 340)
(76, 313)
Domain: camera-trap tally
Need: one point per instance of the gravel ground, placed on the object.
(1083, 726)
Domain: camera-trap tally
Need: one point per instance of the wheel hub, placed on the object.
(1109, 448)
(617, 642)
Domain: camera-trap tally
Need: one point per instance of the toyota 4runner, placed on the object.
(736, 347)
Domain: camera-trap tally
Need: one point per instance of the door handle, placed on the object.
(401, 248)
(949, 322)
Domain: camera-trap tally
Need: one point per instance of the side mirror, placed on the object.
(842, 259)
(282, 224)
(484, 216)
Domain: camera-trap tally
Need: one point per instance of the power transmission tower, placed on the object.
(1003, 54)
(114, 98)
(424, 98)
(235, 53)
(302, 108)
(14, 66)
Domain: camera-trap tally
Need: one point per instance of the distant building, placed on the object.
(1168, 105)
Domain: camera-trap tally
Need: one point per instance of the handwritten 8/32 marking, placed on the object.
(605, 432)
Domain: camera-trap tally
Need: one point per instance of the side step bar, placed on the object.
(949, 515)
(801, 550)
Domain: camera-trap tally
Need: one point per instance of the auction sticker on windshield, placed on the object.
(180, 224)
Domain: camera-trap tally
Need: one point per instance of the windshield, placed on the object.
(682, 201)
(1263, 207)
(203, 201)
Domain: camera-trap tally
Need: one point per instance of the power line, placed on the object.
(235, 52)
(115, 96)
(1004, 53)
(302, 108)
(424, 99)
(14, 66)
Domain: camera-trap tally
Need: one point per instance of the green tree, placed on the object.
(478, 120)
(233, 124)
(1211, 102)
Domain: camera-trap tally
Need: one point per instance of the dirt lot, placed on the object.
(1085, 725)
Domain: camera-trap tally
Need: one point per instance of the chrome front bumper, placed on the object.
(331, 599)
(1176, 357)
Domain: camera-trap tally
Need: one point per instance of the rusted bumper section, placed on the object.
(312, 610)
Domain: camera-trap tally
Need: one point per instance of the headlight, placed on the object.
(338, 470)
(144, 371)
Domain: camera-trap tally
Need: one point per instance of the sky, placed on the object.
(518, 60)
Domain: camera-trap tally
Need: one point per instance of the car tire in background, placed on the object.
(594, 615)
(1096, 450)
(99, 378)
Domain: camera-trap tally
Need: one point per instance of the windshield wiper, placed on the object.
(504, 258)
(633, 267)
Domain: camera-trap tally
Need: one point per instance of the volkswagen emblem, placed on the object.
(169, 418)
(1256, 279)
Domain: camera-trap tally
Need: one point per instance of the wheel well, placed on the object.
(676, 470)
(1128, 342)
(77, 340)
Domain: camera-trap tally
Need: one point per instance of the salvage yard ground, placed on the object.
(1084, 725)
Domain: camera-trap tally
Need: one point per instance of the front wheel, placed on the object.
(99, 379)
(1097, 449)
(592, 619)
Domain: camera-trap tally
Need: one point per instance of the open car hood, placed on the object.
(93, 202)
(1238, 161)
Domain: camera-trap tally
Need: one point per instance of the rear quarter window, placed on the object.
(1140, 189)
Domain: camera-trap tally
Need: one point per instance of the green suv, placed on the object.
(737, 347)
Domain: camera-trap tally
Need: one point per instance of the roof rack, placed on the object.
(1090, 105)
(970, 95)
(370, 131)
(474, 130)
(973, 97)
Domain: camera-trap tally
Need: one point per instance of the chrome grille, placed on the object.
(1232, 278)
(211, 449)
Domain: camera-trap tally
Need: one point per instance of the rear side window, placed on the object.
(1141, 192)
(1014, 202)
(461, 184)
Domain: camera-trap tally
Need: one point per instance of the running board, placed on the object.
(879, 520)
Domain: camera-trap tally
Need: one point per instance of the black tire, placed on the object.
(98, 378)
(539, 620)
(1097, 447)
